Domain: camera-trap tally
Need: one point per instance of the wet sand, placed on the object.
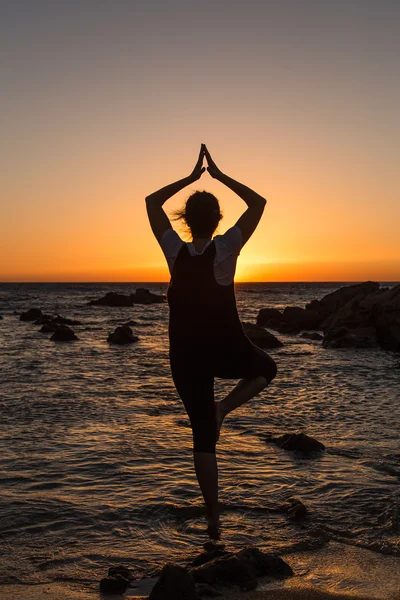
(304, 594)
(336, 572)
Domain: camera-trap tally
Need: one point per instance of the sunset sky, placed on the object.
(103, 102)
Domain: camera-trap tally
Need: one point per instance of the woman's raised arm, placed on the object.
(158, 218)
(249, 220)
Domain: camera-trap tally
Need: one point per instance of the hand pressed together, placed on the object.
(199, 169)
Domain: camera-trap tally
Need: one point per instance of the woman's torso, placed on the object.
(201, 309)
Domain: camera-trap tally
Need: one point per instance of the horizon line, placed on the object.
(166, 282)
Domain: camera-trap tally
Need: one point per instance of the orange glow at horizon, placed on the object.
(301, 105)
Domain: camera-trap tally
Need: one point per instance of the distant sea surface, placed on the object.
(96, 453)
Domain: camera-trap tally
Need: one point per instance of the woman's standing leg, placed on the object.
(195, 386)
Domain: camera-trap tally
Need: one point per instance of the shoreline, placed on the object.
(335, 572)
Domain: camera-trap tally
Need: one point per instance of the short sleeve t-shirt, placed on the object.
(227, 249)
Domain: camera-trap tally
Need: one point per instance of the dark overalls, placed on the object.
(206, 341)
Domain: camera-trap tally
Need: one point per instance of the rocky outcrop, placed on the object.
(63, 333)
(174, 582)
(297, 441)
(355, 316)
(260, 336)
(1, 318)
(332, 302)
(141, 296)
(122, 335)
(31, 315)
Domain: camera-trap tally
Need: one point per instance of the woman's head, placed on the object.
(201, 213)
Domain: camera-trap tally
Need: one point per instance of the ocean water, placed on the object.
(96, 451)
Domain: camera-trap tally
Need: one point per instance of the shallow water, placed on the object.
(96, 460)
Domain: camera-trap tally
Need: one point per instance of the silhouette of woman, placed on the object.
(205, 334)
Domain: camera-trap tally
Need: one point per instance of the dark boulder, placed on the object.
(225, 570)
(262, 564)
(294, 508)
(313, 335)
(58, 319)
(260, 336)
(212, 551)
(270, 317)
(297, 441)
(241, 568)
(300, 318)
(174, 582)
(122, 335)
(63, 333)
(350, 315)
(121, 571)
(292, 320)
(144, 296)
(113, 585)
(388, 330)
(31, 315)
(1, 318)
(49, 327)
(112, 299)
(362, 337)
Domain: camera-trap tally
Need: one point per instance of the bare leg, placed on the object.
(241, 393)
(205, 464)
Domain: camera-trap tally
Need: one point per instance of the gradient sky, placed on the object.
(103, 102)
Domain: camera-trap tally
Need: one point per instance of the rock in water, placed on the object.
(141, 296)
(59, 320)
(260, 336)
(298, 441)
(63, 333)
(31, 315)
(292, 320)
(295, 508)
(49, 327)
(1, 317)
(113, 585)
(300, 318)
(226, 570)
(363, 337)
(144, 296)
(112, 299)
(174, 583)
(121, 571)
(122, 335)
(241, 568)
(312, 336)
